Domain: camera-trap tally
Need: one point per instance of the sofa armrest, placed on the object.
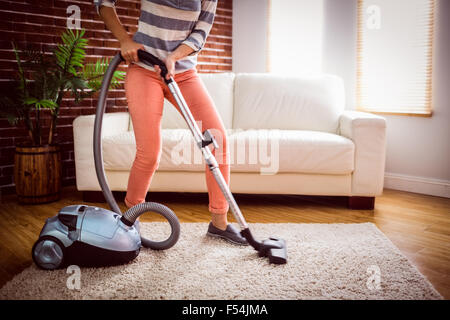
(83, 135)
(368, 133)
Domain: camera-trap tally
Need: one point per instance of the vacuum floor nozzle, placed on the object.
(274, 249)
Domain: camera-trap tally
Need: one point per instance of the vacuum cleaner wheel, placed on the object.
(48, 253)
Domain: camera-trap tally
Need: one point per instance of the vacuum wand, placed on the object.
(273, 248)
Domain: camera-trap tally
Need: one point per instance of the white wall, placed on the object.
(249, 35)
(418, 149)
(339, 44)
(421, 146)
(299, 50)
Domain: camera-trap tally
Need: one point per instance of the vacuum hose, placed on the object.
(130, 216)
(135, 212)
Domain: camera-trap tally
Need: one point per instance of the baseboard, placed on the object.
(433, 187)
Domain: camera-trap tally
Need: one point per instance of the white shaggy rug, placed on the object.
(325, 261)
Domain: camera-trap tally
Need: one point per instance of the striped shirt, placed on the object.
(166, 24)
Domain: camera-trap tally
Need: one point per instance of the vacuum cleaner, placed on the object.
(92, 236)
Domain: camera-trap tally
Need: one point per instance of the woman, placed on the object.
(174, 31)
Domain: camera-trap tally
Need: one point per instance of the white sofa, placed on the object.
(286, 135)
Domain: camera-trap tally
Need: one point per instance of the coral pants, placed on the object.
(145, 92)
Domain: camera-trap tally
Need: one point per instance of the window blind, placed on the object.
(394, 58)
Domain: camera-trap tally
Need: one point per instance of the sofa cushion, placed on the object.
(220, 88)
(294, 151)
(264, 151)
(268, 101)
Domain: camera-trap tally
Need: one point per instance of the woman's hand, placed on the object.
(181, 52)
(128, 49)
(170, 65)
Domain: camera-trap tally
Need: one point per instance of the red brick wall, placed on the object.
(39, 23)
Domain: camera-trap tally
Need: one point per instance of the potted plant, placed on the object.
(42, 81)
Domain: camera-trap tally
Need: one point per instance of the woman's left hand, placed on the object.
(179, 53)
(170, 65)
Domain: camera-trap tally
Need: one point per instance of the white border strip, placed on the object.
(433, 187)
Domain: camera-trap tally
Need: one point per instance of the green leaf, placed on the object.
(71, 53)
(30, 100)
(48, 104)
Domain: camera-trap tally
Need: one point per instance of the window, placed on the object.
(295, 36)
(394, 59)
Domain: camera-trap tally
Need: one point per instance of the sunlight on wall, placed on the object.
(295, 36)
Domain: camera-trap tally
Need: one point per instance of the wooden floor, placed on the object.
(418, 225)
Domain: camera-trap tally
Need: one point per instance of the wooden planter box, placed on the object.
(37, 173)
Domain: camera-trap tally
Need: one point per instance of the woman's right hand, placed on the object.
(128, 49)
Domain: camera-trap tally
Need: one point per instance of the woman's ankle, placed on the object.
(219, 220)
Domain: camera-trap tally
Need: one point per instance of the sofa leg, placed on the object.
(93, 196)
(361, 203)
